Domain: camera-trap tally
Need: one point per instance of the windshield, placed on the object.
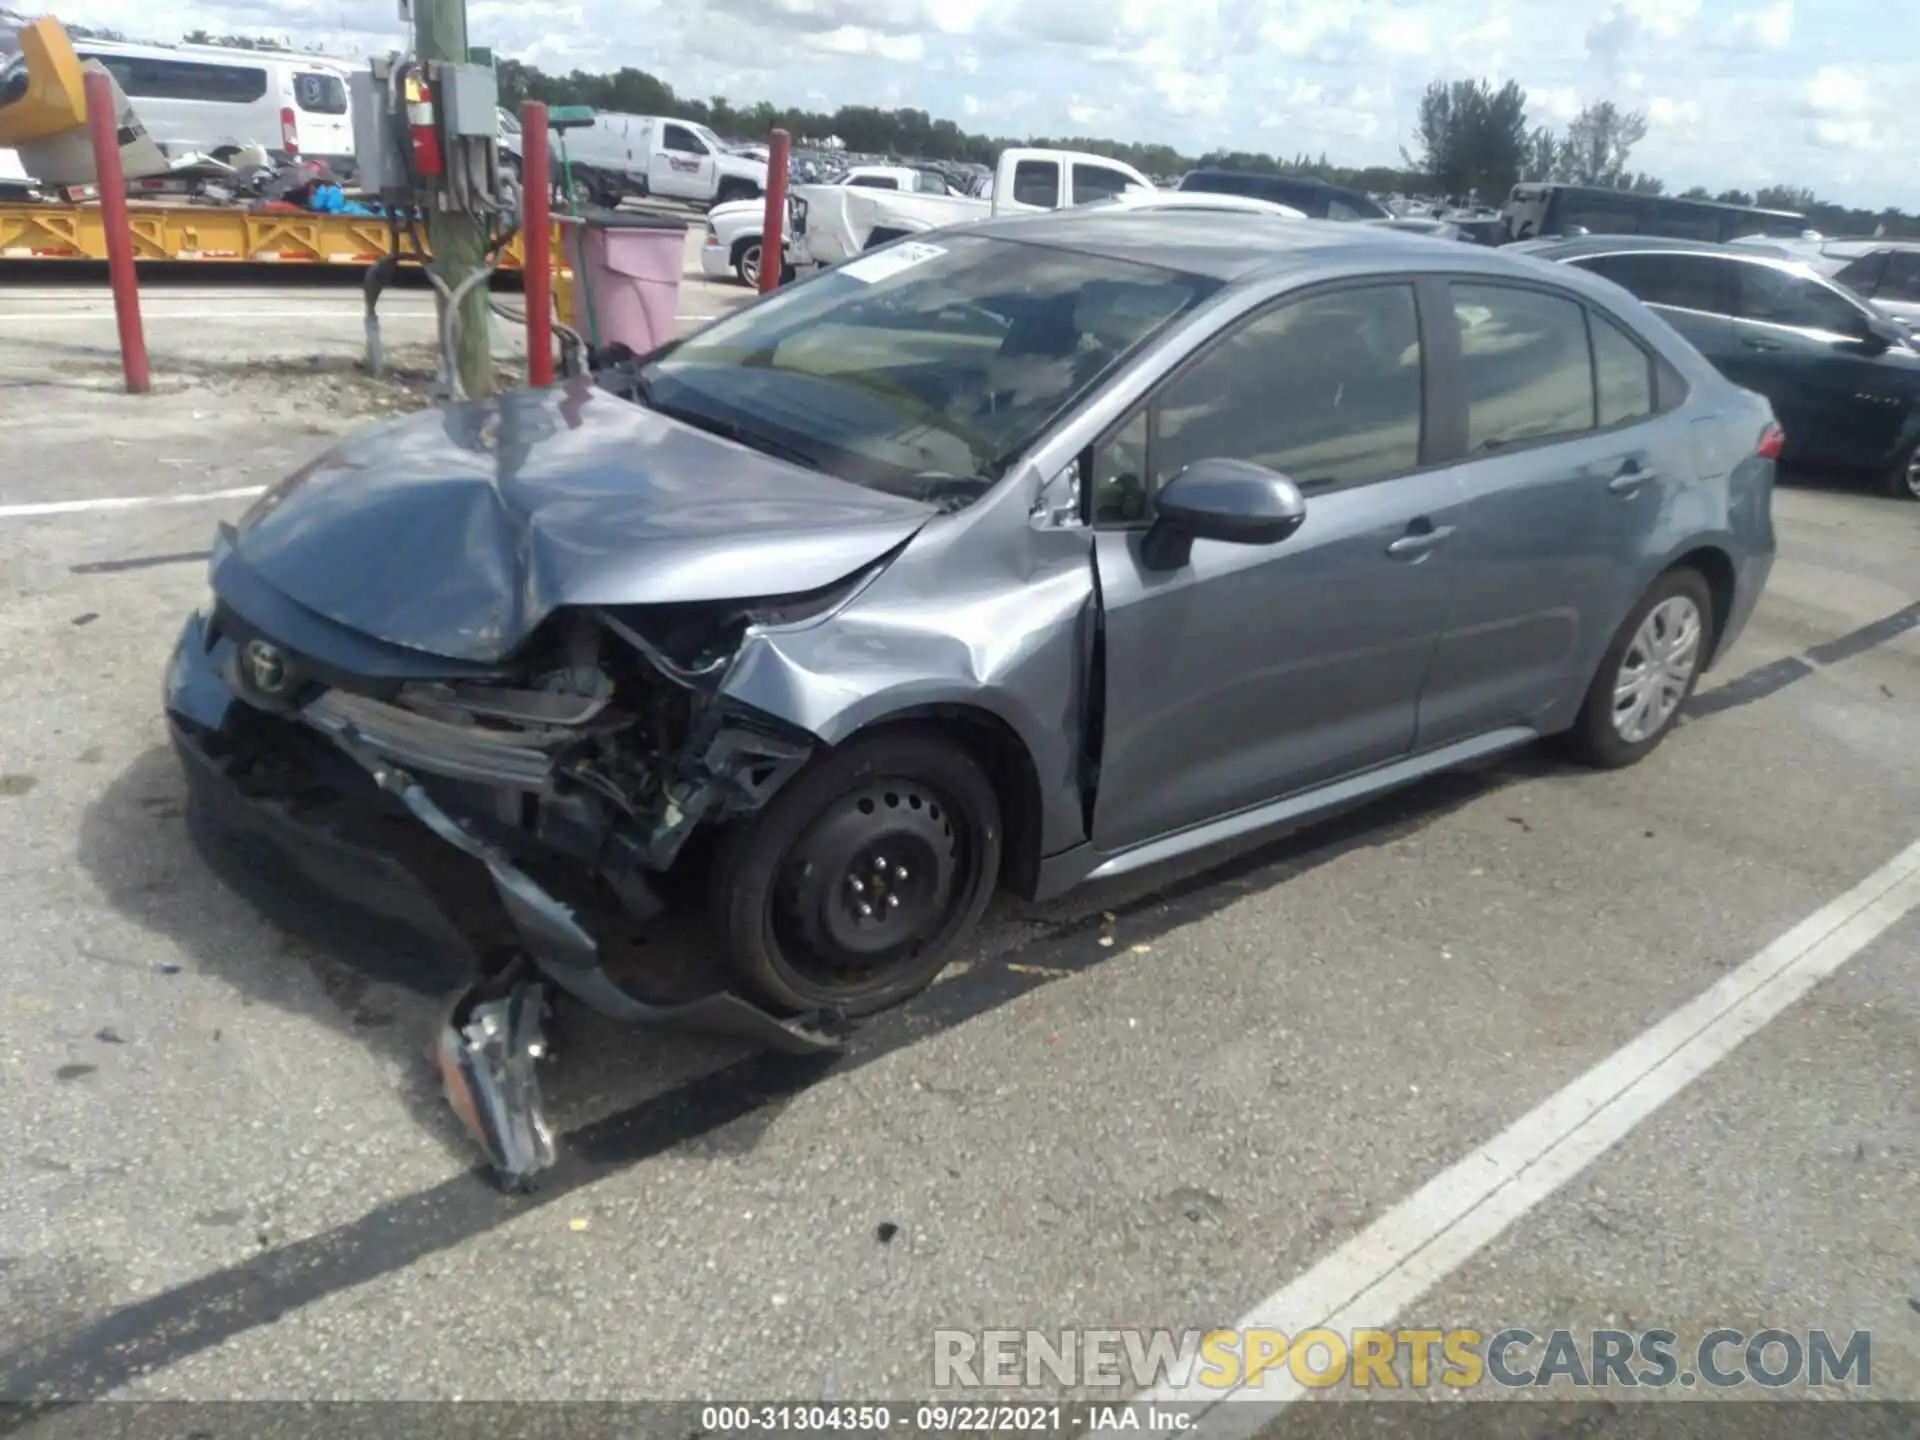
(924, 367)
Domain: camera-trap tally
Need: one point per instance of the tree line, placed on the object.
(1471, 140)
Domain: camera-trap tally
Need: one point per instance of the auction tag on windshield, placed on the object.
(901, 255)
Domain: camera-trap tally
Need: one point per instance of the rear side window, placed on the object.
(1037, 182)
(145, 79)
(1601, 214)
(1863, 276)
(1685, 282)
(1777, 297)
(1326, 390)
(1623, 383)
(875, 182)
(1524, 355)
(320, 94)
(1097, 182)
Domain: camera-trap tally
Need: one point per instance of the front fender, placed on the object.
(1015, 642)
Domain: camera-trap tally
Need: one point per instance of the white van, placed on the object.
(208, 98)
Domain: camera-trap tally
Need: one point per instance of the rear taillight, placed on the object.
(289, 132)
(1772, 440)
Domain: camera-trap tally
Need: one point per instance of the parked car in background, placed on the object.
(620, 155)
(832, 223)
(1315, 198)
(732, 244)
(1843, 377)
(1537, 211)
(1887, 272)
(212, 100)
(1036, 551)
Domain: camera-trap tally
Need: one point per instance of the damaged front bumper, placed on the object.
(493, 1032)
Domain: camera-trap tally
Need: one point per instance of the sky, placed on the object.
(1737, 93)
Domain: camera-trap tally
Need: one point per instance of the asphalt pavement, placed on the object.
(1166, 1103)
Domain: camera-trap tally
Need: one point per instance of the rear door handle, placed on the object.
(1418, 542)
(1628, 482)
(1768, 346)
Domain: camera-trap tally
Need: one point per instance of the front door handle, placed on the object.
(1628, 482)
(1418, 542)
(1766, 346)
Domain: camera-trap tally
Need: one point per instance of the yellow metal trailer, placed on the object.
(166, 233)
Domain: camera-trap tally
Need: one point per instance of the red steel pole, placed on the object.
(104, 126)
(773, 250)
(536, 199)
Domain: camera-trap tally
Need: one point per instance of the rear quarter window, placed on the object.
(320, 94)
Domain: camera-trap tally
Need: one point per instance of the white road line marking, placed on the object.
(1373, 1278)
(125, 502)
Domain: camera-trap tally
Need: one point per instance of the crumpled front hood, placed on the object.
(458, 531)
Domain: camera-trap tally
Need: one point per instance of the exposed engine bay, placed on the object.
(597, 758)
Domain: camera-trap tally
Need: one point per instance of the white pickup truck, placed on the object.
(732, 246)
(832, 223)
(620, 155)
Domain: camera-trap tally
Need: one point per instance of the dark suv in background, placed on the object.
(1844, 377)
(1316, 198)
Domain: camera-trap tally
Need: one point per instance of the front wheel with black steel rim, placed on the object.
(1647, 674)
(1903, 476)
(851, 889)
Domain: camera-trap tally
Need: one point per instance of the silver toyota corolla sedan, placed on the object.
(1025, 553)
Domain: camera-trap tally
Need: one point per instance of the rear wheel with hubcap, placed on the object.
(1903, 477)
(746, 264)
(851, 889)
(1647, 674)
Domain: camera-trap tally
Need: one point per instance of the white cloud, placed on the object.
(1767, 28)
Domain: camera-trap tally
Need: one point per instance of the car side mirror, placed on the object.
(1878, 335)
(1231, 500)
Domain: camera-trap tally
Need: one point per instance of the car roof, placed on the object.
(1239, 248)
(1267, 177)
(1559, 249)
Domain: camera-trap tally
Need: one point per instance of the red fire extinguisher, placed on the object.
(425, 135)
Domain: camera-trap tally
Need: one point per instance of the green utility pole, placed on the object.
(458, 240)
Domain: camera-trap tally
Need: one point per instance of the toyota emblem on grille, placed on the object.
(265, 666)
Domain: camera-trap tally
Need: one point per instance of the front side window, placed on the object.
(320, 94)
(681, 141)
(1779, 297)
(875, 182)
(1683, 282)
(1524, 355)
(1903, 278)
(1326, 390)
(924, 368)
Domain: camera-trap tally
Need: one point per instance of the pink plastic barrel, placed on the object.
(630, 265)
